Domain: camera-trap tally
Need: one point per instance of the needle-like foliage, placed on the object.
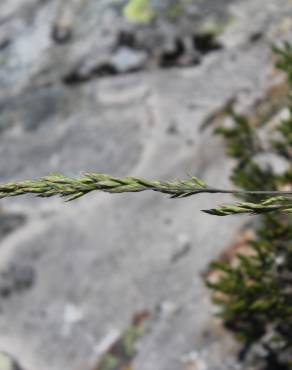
(254, 289)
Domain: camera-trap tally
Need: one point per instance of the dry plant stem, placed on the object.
(73, 188)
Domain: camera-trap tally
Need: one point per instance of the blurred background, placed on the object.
(134, 87)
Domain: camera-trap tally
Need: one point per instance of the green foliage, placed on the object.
(142, 11)
(175, 10)
(254, 290)
(139, 11)
(215, 25)
(122, 352)
(284, 61)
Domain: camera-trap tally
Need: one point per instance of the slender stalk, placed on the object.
(253, 192)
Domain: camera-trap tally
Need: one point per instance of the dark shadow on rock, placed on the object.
(75, 77)
(126, 38)
(16, 278)
(4, 43)
(61, 35)
(271, 360)
(130, 55)
(32, 109)
(206, 43)
(10, 222)
(170, 58)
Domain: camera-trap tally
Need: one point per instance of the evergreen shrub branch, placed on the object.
(73, 188)
(253, 287)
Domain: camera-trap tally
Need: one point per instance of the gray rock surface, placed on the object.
(90, 265)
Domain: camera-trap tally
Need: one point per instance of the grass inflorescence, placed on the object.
(73, 188)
